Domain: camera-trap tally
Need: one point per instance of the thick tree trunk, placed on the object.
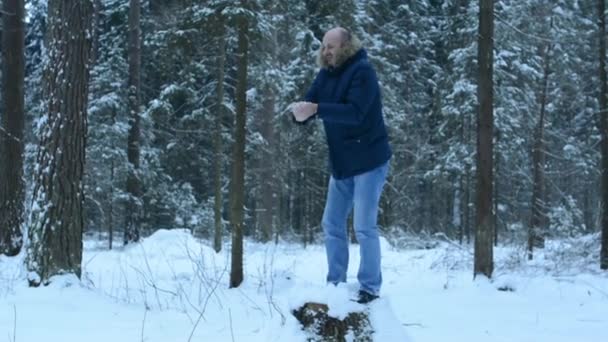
(484, 222)
(237, 184)
(57, 214)
(11, 128)
(604, 129)
(217, 139)
(134, 207)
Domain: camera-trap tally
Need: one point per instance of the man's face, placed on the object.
(332, 43)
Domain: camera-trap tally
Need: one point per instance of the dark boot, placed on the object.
(365, 297)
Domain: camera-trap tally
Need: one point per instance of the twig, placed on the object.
(152, 283)
(545, 39)
(9, 135)
(202, 311)
(413, 325)
(14, 323)
(231, 330)
(451, 243)
(143, 323)
(271, 301)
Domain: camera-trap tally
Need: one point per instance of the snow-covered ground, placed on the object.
(172, 287)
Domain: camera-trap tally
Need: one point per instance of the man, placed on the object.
(346, 96)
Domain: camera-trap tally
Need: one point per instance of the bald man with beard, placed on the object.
(346, 96)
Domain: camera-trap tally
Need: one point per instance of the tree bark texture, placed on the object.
(237, 184)
(11, 128)
(218, 146)
(57, 216)
(134, 207)
(484, 221)
(538, 222)
(604, 129)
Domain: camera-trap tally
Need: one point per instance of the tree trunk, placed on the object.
(467, 204)
(296, 202)
(456, 223)
(484, 221)
(237, 191)
(217, 139)
(537, 230)
(604, 129)
(134, 208)
(97, 19)
(495, 188)
(468, 175)
(111, 209)
(268, 166)
(11, 128)
(57, 212)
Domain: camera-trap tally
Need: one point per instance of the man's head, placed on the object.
(338, 46)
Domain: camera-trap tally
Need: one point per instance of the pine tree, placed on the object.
(57, 215)
(106, 166)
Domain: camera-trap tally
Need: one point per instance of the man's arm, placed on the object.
(310, 97)
(359, 98)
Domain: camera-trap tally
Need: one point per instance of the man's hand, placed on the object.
(303, 110)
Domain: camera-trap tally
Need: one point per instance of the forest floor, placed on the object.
(173, 287)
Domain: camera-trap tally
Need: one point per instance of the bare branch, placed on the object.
(9, 135)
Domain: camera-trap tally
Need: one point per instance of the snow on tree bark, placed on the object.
(57, 215)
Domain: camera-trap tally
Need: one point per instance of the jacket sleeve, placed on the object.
(360, 96)
(312, 93)
(311, 96)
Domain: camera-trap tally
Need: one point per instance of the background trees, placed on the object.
(191, 99)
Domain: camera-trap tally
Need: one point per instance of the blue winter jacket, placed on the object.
(350, 106)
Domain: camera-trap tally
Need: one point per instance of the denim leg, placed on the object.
(368, 188)
(337, 208)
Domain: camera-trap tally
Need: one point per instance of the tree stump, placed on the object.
(322, 327)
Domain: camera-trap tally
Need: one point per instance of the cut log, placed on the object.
(321, 327)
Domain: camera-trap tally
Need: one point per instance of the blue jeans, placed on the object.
(363, 193)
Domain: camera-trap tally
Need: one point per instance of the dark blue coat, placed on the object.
(351, 109)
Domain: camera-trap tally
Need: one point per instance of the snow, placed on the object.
(173, 287)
